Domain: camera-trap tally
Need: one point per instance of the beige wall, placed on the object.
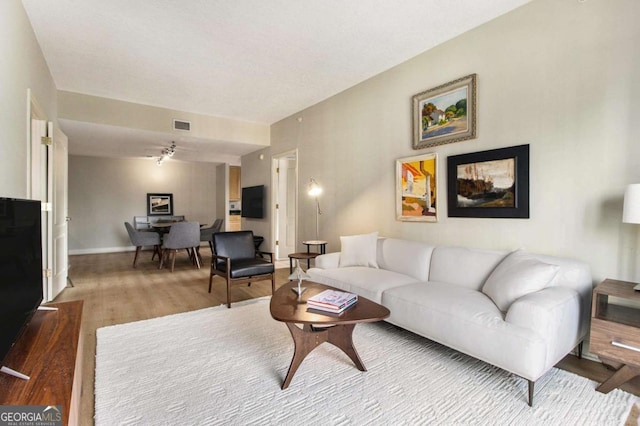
(94, 109)
(559, 75)
(106, 192)
(22, 67)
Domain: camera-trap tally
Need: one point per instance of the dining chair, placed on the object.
(143, 238)
(182, 235)
(235, 260)
(206, 233)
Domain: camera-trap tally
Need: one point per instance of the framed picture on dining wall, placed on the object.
(445, 114)
(491, 183)
(416, 188)
(159, 204)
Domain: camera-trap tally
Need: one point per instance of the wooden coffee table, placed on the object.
(318, 328)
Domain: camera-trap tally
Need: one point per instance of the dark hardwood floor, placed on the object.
(114, 293)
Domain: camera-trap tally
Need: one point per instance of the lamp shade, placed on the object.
(631, 209)
(313, 189)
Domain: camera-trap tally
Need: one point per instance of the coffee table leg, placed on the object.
(307, 339)
(341, 336)
(304, 341)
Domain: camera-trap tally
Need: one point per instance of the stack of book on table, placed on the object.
(333, 301)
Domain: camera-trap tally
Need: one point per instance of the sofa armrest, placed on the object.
(554, 314)
(328, 261)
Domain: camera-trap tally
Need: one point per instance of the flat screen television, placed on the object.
(253, 202)
(20, 267)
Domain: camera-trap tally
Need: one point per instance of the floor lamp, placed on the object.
(314, 190)
(631, 209)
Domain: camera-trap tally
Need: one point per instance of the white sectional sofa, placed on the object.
(519, 311)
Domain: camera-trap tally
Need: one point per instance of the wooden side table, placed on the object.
(615, 330)
(320, 243)
(309, 254)
(301, 256)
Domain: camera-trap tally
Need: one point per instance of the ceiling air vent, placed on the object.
(182, 125)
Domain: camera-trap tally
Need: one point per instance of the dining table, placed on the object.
(163, 228)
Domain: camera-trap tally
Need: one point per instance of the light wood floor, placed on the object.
(115, 293)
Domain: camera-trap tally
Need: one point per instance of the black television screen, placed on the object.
(20, 267)
(253, 201)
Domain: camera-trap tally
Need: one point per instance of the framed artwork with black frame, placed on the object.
(159, 204)
(493, 184)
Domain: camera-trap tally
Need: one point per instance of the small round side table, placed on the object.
(320, 243)
(301, 256)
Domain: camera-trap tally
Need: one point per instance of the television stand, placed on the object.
(11, 372)
(50, 352)
(47, 308)
(14, 373)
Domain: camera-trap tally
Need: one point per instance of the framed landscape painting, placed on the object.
(159, 204)
(445, 114)
(416, 188)
(491, 183)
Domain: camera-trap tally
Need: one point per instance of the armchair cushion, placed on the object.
(247, 267)
(234, 245)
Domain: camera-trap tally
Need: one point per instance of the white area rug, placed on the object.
(225, 366)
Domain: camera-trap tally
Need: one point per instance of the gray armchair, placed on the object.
(143, 238)
(183, 235)
(206, 233)
(235, 260)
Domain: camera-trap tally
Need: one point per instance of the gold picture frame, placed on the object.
(445, 114)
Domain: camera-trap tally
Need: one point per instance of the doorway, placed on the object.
(60, 212)
(47, 182)
(285, 203)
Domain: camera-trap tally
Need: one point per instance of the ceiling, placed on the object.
(99, 140)
(252, 60)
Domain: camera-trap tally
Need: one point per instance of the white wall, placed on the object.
(22, 67)
(106, 192)
(560, 75)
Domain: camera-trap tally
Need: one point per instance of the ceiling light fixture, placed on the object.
(166, 153)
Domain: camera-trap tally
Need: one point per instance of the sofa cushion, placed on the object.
(463, 266)
(468, 321)
(366, 282)
(359, 250)
(411, 258)
(517, 275)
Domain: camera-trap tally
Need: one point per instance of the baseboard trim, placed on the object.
(104, 250)
(101, 250)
